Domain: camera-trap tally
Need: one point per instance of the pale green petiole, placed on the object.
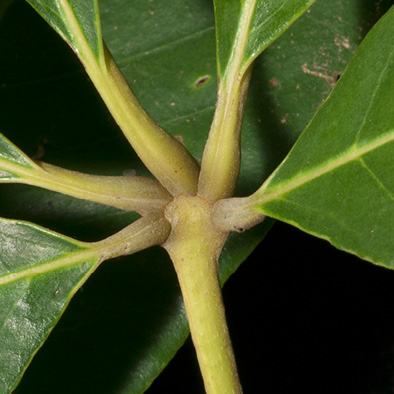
(236, 214)
(166, 158)
(150, 230)
(233, 214)
(145, 232)
(222, 154)
(125, 192)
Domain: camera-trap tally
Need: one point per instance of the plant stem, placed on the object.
(222, 154)
(132, 193)
(194, 246)
(236, 214)
(145, 232)
(166, 158)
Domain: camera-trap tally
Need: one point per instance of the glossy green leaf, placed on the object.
(128, 321)
(9, 153)
(76, 22)
(338, 181)
(39, 273)
(263, 21)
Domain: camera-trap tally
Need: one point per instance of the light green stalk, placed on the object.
(166, 158)
(132, 193)
(147, 231)
(222, 154)
(194, 245)
(150, 230)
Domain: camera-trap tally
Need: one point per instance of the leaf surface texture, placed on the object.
(337, 181)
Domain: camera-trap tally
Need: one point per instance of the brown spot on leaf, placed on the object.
(337, 75)
(284, 119)
(321, 72)
(201, 81)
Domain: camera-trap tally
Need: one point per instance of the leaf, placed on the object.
(264, 20)
(76, 21)
(39, 273)
(10, 153)
(337, 182)
(128, 322)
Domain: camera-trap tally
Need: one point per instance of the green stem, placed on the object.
(167, 159)
(236, 214)
(131, 193)
(145, 232)
(194, 246)
(222, 154)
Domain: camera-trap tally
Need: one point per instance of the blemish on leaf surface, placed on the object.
(202, 81)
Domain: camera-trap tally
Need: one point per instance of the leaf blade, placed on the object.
(270, 20)
(264, 20)
(40, 271)
(10, 153)
(339, 174)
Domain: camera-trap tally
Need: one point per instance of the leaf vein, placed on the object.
(265, 21)
(27, 282)
(372, 99)
(126, 60)
(352, 154)
(189, 115)
(69, 260)
(376, 179)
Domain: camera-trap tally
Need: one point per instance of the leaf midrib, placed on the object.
(53, 265)
(82, 46)
(234, 65)
(354, 153)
